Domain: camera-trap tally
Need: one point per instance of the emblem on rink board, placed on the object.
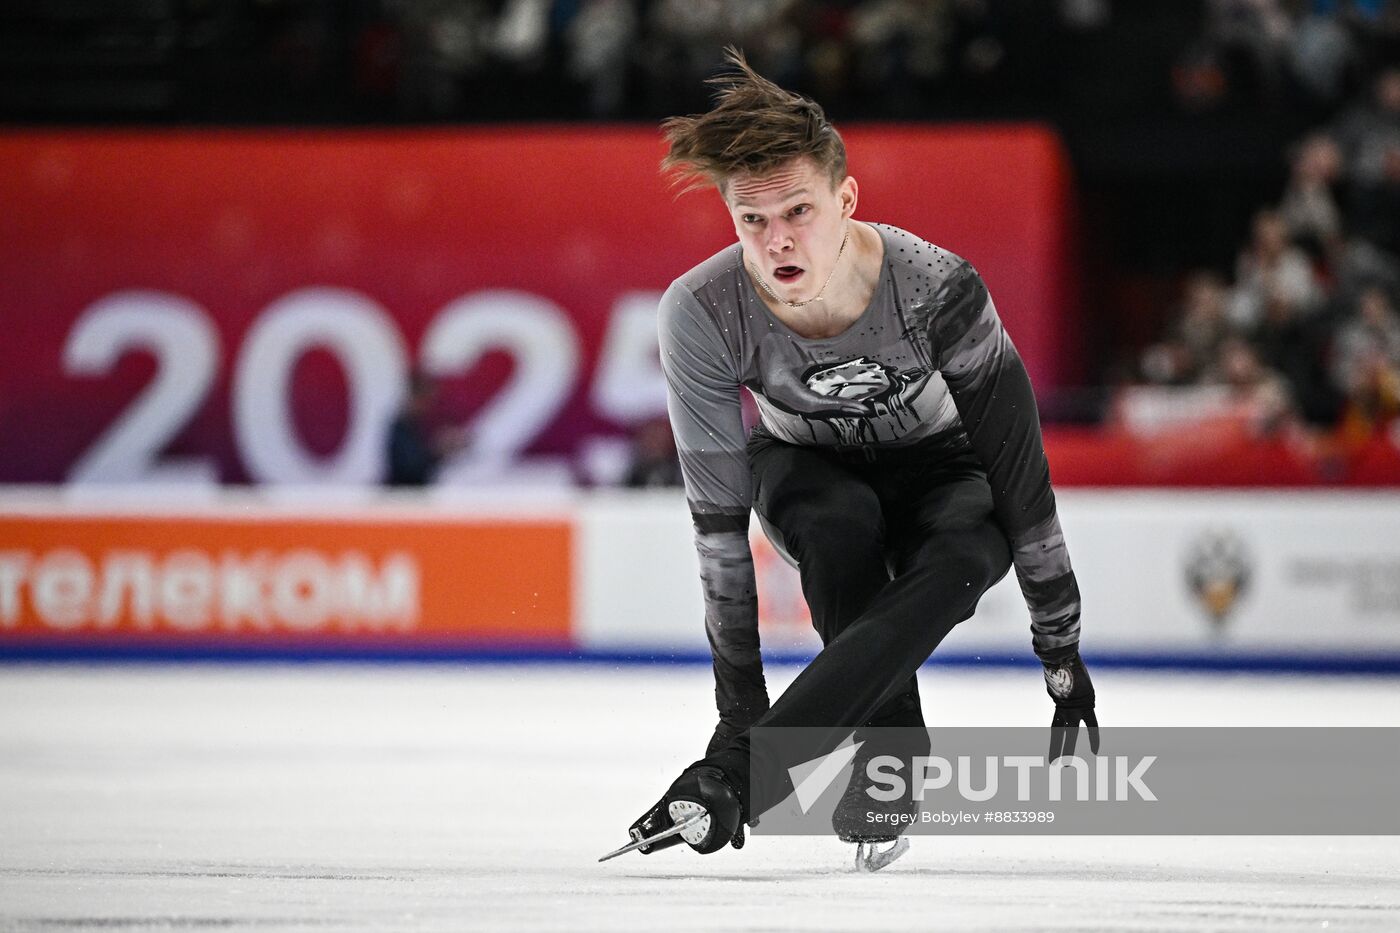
(1218, 571)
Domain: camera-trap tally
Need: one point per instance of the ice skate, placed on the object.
(868, 821)
(870, 857)
(855, 821)
(700, 809)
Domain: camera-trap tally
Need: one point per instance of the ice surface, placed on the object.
(479, 797)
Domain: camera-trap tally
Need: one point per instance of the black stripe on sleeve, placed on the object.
(709, 523)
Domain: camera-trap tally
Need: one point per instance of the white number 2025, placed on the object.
(364, 339)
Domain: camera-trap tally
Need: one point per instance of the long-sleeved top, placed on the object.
(927, 355)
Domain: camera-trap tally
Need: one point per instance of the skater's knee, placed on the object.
(834, 525)
(996, 551)
(978, 557)
(988, 562)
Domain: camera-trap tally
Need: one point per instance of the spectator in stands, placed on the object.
(1294, 345)
(600, 39)
(520, 34)
(1253, 38)
(1360, 264)
(1323, 56)
(1272, 276)
(1370, 137)
(1309, 206)
(1260, 401)
(444, 44)
(1195, 334)
(682, 47)
(414, 449)
(1366, 364)
(1367, 131)
(899, 47)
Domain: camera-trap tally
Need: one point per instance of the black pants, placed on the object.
(894, 548)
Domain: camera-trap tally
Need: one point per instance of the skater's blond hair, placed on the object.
(754, 127)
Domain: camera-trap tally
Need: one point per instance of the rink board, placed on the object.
(1290, 580)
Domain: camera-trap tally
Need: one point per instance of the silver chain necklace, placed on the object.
(818, 296)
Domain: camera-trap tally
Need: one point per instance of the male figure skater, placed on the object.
(898, 461)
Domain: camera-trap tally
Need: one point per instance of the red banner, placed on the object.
(1214, 455)
(229, 307)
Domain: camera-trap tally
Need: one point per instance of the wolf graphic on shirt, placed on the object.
(848, 396)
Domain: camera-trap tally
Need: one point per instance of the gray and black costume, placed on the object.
(900, 464)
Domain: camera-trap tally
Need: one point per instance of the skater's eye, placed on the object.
(801, 209)
(752, 219)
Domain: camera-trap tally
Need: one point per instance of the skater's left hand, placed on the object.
(1069, 686)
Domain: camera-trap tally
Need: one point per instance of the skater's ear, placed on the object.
(848, 194)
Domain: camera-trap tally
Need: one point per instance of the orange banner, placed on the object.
(258, 580)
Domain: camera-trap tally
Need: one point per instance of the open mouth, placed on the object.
(787, 274)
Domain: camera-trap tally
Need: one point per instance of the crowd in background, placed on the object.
(1297, 55)
(865, 58)
(358, 60)
(568, 59)
(647, 58)
(1304, 335)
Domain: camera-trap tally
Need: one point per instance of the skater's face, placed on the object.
(791, 222)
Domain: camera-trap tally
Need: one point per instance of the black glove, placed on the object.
(732, 722)
(1069, 686)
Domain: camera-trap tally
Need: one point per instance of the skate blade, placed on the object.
(675, 830)
(870, 859)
